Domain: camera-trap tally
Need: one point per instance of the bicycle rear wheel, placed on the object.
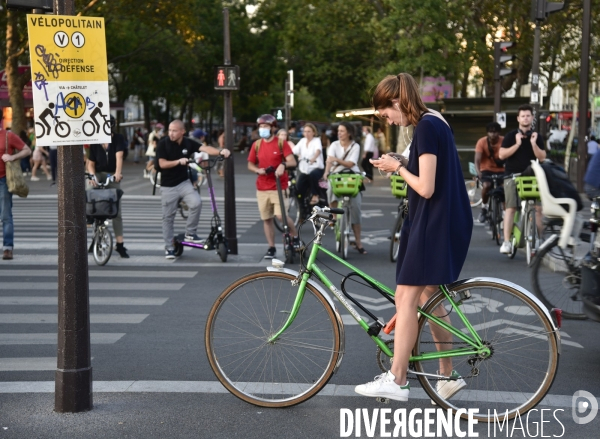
(282, 373)
(103, 245)
(556, 279)
(395, 238)
(524, 350)
(474, 192)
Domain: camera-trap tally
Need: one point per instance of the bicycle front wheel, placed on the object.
(474, 192)
(345, 234)
(395, 244)
(524, 351)
(103, 245)
(282, 373)
(556, 279)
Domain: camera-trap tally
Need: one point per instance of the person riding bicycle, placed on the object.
(344, 154)
(103, 160)
(436, 235)
(269, 152)
(310, 158)
(488, 163)
(173, 153)
(519, 147)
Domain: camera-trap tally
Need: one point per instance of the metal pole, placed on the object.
(497, 81)
(583, 95)
(73, 378)
(230, 214)
(287, 104)
(535, 76)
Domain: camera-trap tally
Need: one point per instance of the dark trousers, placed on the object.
(53, 163)
(367, 166)
(309, 181)
(25, 166)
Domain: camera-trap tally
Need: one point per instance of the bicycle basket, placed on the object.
(527, 188)
(399, 186)
(345, 185)
(102, 203)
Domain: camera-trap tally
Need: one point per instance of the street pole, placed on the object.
(583, 94)
(230, 213)
(73, 378)
(497, 84)
(288, 111)
(535, 76)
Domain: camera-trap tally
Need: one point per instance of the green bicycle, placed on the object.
(275, 338)
(524, 232)
(346, 187)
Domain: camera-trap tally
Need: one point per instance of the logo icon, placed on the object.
(583, 402)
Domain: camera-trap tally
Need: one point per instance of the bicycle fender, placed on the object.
(522, 290)
(327, 297)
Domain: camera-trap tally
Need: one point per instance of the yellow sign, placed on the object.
(70, 79)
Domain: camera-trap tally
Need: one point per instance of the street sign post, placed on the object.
(70, 79)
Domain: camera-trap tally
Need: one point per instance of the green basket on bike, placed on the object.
(399, 186)
(527, 188)
(345, 185)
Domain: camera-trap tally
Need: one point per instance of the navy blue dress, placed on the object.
(436, 235)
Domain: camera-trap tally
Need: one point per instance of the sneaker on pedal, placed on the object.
(384, 387)
(506, 248)
(447, 389)
(193, 238)
(270, 253)
(483, 215)
(170, 254)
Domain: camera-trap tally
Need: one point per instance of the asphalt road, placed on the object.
(151, 375)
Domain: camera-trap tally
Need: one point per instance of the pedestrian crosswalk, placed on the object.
(29, 311)
(36, 221)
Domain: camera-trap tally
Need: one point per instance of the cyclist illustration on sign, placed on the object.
(61, 128)
(91, 127)
(232, 78)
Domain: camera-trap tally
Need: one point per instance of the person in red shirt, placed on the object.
(487, 162)
(12, 149)
(278, 156)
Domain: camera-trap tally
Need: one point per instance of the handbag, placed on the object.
(102, 203)
(14, 176)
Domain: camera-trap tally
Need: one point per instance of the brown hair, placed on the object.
(404, 88)
(312, 127)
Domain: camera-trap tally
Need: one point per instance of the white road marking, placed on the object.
(45, 300)
(53, 318)
(26, 339)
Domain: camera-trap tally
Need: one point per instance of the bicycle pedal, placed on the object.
(382, 400)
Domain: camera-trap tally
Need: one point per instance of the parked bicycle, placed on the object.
(274, 338)
(102, 204)
(399, 190)
(345, 187)
(524, 232)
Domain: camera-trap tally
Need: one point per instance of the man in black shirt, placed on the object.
(107, 159)
(173, 152)
(519, 147)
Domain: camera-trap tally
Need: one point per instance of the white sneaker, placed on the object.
(447, 389)
(506, 248)
(384, 387)
(35, 179)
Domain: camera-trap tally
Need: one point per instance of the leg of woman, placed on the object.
(44, 168)
(314, 176)
(302, 184)
(407, 298)
(36, 165)
(355, 219)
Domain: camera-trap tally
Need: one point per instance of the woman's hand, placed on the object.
(386, 163)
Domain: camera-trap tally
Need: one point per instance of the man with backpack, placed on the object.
(266, 154)
(519, 147)
(172, 155)
(488, 163)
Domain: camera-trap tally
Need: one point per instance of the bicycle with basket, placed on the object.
(524, 232)
(345, 186)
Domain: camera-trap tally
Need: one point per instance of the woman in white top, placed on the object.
(344, 153)
(310, 162)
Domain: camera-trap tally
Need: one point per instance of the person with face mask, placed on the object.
(270, 152)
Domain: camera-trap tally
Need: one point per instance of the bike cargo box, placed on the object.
(345, 185)
(102, 203)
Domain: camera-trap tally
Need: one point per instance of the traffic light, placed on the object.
(540, 9)
(279, 113)
(46, 5)
(501, 58)
(227, 77)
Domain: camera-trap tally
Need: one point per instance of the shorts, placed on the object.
(268, 203)
(487, 176)
(355, 206)
(511, 198)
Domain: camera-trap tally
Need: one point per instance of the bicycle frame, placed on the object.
(519, 221)
(473, 339)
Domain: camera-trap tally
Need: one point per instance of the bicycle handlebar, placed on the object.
(211, 162)
(92, 177)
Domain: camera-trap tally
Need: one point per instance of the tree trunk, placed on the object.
(15, 81)
(191, 114)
